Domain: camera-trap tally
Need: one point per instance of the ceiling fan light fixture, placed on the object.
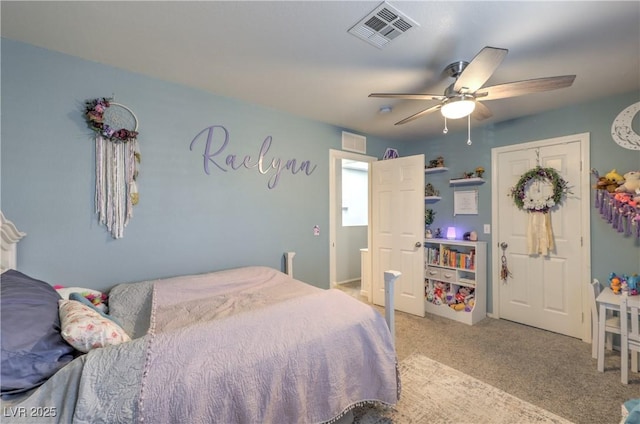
(458, 107)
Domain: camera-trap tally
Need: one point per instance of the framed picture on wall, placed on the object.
(465, 202)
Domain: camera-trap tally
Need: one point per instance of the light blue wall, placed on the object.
(189, 222)
(186, 221)
(611, 251)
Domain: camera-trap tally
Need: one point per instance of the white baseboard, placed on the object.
(348, 281)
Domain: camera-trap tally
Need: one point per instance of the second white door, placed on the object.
(543, 291)
(397, 230)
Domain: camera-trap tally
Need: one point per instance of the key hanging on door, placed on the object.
(504, 270)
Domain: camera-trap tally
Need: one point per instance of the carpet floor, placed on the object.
(437, 394)
(549, 370)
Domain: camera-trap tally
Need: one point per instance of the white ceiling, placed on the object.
(297, 56)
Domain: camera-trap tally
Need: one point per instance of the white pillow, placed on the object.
(64, 292)
(85, 329)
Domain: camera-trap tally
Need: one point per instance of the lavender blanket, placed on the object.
(255, 346)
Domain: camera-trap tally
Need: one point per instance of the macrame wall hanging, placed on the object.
(117, 158)
(531, 194)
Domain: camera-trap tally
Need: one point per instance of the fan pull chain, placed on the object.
(445, 130)
(469, 130)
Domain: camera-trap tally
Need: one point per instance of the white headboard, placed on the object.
(10, 237)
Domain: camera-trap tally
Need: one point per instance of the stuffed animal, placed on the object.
(451, 298)
(469, 305)
(615, 283)
(606, 184)
(439, 293)
(633, 283)
(463, 294)
(627, 198)
(614, 176)
(631, 182)
(429, 293)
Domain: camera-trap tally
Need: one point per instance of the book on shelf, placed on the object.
(456, 259)
(433, 256)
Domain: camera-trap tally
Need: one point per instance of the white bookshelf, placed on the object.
(449, 266)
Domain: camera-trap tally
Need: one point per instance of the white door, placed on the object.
(397, 230)
(544, 291)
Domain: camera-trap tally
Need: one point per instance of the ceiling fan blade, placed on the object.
(519, 88)
(481, 111)
(419, 114)
(480, 69)
(408, 96)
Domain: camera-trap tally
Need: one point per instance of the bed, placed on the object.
(245, 345)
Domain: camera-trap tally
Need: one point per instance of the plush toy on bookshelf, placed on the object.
(441, 294)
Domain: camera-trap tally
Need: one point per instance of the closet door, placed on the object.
(542, 291)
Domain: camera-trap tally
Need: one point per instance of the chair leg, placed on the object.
(624, 364)
(609, 341)
(594, 342)
(601, 339)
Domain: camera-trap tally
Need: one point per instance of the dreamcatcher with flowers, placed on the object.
(117, 157)
(538, 191)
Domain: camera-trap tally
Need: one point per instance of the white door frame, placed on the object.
(585, 206)
(334, 155)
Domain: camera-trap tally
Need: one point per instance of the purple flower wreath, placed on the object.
(95, 114)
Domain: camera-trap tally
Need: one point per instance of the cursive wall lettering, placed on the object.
(219, 135)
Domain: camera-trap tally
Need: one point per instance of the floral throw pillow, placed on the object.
(85, 329)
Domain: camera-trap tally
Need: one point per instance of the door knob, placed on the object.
(418, 244)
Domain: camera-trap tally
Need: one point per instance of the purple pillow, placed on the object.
(32, 347)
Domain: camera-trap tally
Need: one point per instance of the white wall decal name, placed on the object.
(232, 161)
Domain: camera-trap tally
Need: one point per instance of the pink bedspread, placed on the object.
(253, 345)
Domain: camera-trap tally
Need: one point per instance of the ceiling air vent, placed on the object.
(382, 25)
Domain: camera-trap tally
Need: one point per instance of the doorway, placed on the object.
(345, 242)
(544, 291)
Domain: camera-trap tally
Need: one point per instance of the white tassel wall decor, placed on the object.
(117, 156)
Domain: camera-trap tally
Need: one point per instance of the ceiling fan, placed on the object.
(465, 96)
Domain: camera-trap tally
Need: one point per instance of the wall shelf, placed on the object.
(467, 181)
(436, 169)
(432, 198)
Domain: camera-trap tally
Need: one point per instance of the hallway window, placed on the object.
(355, 193)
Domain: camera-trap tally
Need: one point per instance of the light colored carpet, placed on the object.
(549, 370)
(435, 393)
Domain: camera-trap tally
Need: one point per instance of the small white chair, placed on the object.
(629, 339)
(612, 323)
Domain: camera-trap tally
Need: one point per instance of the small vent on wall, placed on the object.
(354, 142)
(382, 25)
